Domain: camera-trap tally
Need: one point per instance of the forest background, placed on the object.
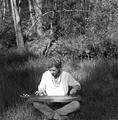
(83, 33)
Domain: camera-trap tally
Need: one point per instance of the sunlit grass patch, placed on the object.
(21, 112)
(98, 78)
(99, 81)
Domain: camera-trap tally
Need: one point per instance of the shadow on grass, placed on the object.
(99, 81)
(17, 76)
(100, 91)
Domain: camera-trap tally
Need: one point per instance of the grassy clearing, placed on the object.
(21, 112)
(99, 80)
(18, 74)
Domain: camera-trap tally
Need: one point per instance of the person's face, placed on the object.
(54, 71)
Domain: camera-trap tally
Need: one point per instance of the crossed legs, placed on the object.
(56, 114)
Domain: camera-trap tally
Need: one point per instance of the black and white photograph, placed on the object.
(58, 59)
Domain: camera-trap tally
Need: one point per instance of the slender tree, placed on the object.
(4, 8)
(38, 16)
(30, 10)
(17, 26)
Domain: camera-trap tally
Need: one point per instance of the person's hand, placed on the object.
(41, 92)
(73, 91)
(37, 93)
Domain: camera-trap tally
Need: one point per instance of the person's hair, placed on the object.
(54, 62)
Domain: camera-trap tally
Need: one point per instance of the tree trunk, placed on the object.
(30, 10)
(16, 19)
(4, 9)
(38, 14)
(19, 6)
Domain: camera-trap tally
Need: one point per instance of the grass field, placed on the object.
(22, 73)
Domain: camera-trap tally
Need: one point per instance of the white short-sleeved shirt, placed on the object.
(47, 84)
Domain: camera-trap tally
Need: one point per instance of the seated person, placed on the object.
(56, 82)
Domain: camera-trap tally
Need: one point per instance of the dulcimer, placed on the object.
(53, 99)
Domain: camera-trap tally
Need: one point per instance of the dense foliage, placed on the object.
(89, 25)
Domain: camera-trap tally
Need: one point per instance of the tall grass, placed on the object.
(21, 112)
(99, 80)
(17, 75)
